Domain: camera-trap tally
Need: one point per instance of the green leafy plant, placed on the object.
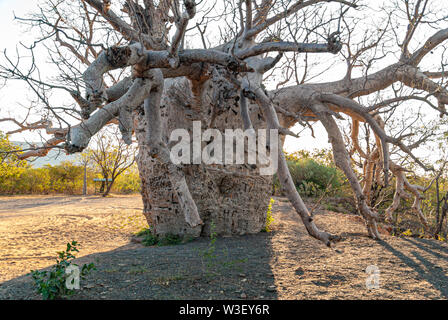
(313, 174)
(149, 239)
(309, 189)
(170, 240)
(52, 284)
(269, 217)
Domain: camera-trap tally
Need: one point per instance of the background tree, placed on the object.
(11, 166)
(110, 157)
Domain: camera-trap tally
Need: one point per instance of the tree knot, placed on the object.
(71, 148)
(249, 94)
(117, 56)
(334, 43)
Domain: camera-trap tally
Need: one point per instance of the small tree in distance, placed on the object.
(110, 155)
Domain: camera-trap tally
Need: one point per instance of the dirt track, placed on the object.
(33, 228)
(283, 264)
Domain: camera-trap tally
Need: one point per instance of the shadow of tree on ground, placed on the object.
(425, 268)
(237, 267)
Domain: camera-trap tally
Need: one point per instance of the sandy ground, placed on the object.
(283, 264)
(34, 228)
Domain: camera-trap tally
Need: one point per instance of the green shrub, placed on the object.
(312, 174)
(149, 239)
(10, 166)
(269, 217)
(309, 189)
(170, 240)
(128, 182)
(65, 178)
(52, 285)
(312, 177)
(34, 181)
(17, 177)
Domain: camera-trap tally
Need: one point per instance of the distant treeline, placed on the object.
(66, 178)
(19, 177)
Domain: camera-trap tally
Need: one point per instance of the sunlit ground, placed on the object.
(33, 228)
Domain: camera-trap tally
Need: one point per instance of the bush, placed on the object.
(65, 178)
(149, 239)
(52, 285)
(311, 177)
(269, 217)
(170, 240)
(33, 181)
(10, 166)
(128, 182)
(17, 177)
(313, 173)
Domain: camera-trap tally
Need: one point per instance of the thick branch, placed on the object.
(79, 136)
(285, 176)
(282, 47)
(430, 44)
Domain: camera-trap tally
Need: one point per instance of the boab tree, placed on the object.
(155, 66)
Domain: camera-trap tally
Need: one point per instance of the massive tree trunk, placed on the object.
(233, 197)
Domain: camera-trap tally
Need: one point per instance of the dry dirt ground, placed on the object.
(283, 264)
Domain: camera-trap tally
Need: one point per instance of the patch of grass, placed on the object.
(209, 256)
(149, 239)
(331, 207)
(170, 240)
(142, 232)
(138, 270)
(235, 263)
